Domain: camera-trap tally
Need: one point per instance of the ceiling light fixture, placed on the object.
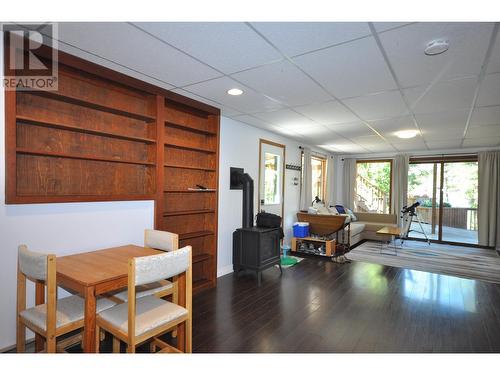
(436, 47)
(235, 92)
(405, 134)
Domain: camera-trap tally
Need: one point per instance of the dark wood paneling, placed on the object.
(190, 158)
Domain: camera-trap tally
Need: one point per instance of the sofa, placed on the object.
(365, 228)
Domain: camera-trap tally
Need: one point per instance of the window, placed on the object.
(271, 180)
(318, 173)
(373, 186)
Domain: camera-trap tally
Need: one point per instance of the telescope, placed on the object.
(408, 214)
(411, 209)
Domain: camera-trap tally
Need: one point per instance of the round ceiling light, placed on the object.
(235, 92)
(405, 134)
(436, 47)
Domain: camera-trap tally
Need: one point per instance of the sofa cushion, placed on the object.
(357, 228)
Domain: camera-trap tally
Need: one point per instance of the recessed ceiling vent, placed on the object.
(436, 47)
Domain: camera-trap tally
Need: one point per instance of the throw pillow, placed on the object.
(351, 214)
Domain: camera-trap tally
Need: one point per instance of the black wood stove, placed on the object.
(254, 248)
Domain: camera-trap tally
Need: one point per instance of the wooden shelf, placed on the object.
(79, 129)
(80, 157)
(190, 128)
(201, 257)
(189, 167)
(203, 233)
(189, 212)
(192, 148)
(73, 100)
(191, 191)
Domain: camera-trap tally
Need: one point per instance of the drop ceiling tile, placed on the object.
(384, 26)
(284, 82)
(293, 38)
(378, 106)
(331, 112)
(485, 116)
(112, 65)
(444, 144)
(494, 63)
(250, 120)
(390, 125)
(444, 96)
(482, 142)
(414, 144)
(225, 111)
(126, 45)
(489, 93)
(345, 146)
(349, 70)
(286, 119)
(226, 46)
(248, 102)
(443, 120)
(352, 129)
(483, 131)
(442, 134)
(405, 49)
(368, 141)
(382, 147)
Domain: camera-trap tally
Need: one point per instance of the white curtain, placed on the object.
(306, 189)
(330, 193)
(488, 208)
(399, 184)
(349, 188)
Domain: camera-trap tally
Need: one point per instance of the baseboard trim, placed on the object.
(225, 270)
(10, 348)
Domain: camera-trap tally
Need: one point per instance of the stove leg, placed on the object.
(259, 278)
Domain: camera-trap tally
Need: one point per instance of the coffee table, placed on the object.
(393, 232)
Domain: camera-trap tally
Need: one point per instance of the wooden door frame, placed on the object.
(271, 143)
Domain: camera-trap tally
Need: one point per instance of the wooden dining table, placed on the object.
(94, 273)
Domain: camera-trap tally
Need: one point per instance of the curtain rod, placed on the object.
(417, 156)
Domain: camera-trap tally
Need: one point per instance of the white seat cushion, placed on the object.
(151, 312)
(356, 228)
(69, 310)
(145, 290)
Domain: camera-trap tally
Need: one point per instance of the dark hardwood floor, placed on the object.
(320, 306)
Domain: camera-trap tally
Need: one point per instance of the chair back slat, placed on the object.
(32, 264)
(153, 268)
(161, 240)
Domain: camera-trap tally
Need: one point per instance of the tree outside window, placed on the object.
(373, 186)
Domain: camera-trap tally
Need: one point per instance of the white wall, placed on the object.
(239, 147)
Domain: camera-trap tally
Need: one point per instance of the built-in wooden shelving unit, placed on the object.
(104, 136)
(190, 158)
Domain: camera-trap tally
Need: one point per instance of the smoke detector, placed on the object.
(436, 47)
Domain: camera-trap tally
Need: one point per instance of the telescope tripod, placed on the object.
(408, 219)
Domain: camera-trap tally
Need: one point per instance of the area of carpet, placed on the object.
(471, 263)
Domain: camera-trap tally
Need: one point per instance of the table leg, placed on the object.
(89, 336)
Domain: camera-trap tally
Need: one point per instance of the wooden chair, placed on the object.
(159, 240)
(52, 318)
(141, 319)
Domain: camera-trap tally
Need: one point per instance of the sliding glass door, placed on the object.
(447, 191)
(424, 187)
(459, 222)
